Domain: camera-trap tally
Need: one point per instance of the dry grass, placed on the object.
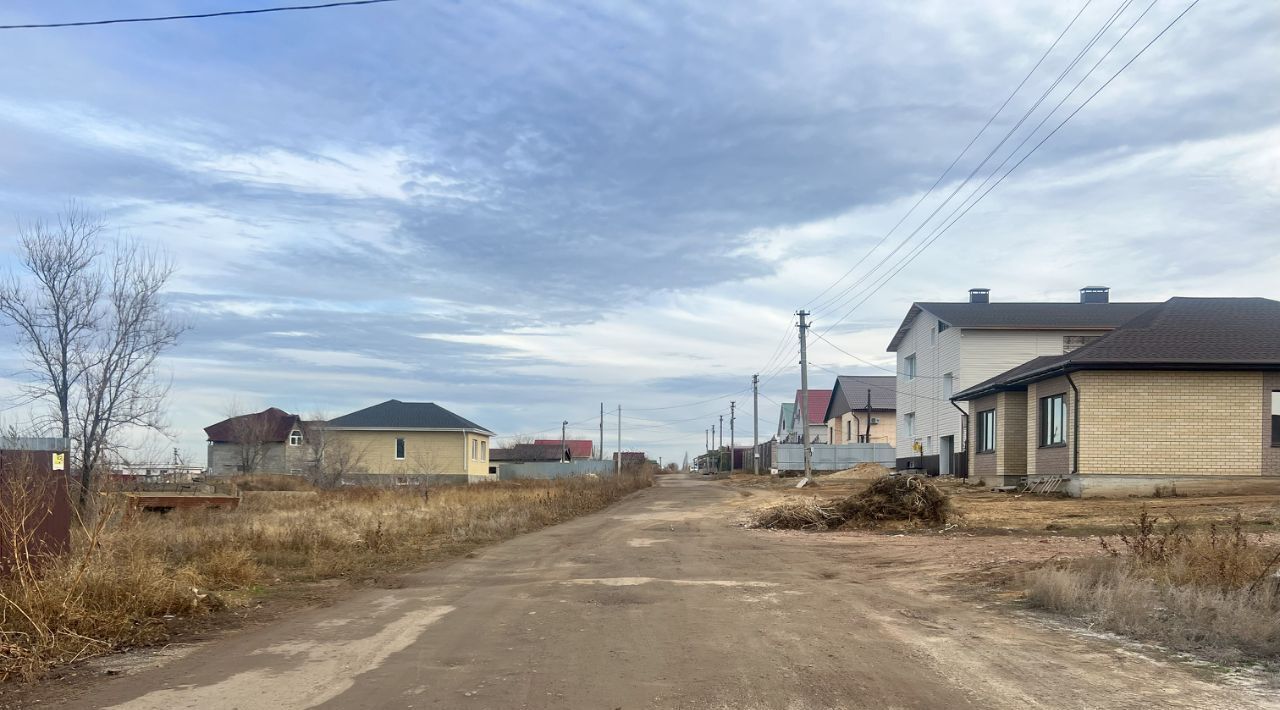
(909, 500)
(1212, 590)
(124, 578)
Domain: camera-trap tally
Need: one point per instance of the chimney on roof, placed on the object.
(1095, 294)
(979, 295)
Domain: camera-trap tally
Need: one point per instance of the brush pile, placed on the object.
(891, 499)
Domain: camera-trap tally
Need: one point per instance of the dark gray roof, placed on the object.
(850, 393)
(1181, 333)
(1024, 316)
(394, 414)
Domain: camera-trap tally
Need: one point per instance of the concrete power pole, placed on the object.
(755, 424)
(618, 467)
(804, 396)
(732, 452)
(601, 431)
(563, 424)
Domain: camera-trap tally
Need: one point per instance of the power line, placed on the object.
(956, 160)
(196, 16)
(938, 232)
(840, 301)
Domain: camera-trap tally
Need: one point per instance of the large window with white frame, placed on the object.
(295, 438)
(986, 431)
(1275, 418)
(909, 425)
(948, 385)
(909, 366)
(1053, 420)
(399, 448)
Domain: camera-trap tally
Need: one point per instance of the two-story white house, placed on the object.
(944, 348)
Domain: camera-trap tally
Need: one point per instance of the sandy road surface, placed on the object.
(663, 602)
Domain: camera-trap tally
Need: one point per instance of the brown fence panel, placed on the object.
(35, 507)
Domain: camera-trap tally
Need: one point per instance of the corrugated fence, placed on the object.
(553, 469)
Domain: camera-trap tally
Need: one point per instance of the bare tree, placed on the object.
(250, 434)
(93, 323)
(329, 455)
(56, 309)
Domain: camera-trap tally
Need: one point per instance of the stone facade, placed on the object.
(1171, 423)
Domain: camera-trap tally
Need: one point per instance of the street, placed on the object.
(664, 601)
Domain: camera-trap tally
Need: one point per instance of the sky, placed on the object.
(521, 210)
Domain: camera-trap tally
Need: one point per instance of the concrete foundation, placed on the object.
(1118, 486)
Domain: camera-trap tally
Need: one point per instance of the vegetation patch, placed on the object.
(910, 500)
(1213, 591)
(126, 580)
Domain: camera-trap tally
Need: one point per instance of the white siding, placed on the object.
(971, 356)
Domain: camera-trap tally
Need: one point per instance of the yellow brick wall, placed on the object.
(425, 452)
(1192, 423)
(1011, 433)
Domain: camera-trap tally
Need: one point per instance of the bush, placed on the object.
(1213, 590)
(900, 499)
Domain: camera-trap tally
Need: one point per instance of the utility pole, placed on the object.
(721, 445)
(732, 447)
(804, 396)
(713, 440)
(602, 431)
(868, 416)
(706, 439)
(563, 424)
(618, 467)
(755, 424)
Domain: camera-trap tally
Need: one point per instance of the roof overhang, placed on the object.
(1056, 370)
(476, 430)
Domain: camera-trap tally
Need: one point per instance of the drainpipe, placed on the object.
(1075, 427)
(857, 426)
(964, 425)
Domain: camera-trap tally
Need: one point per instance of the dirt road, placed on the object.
(664, 602)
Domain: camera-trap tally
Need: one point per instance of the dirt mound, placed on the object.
(861, 472)
(909, 499)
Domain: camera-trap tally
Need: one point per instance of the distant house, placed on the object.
(526, 453)
(575, 449)
(412, 442)
(630, 457)
(270, 441)
(818, 401)
(945, 347)
(1185, 396)
(786, 422)
(862, 409)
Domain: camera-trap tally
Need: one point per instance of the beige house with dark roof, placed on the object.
(1185, 396)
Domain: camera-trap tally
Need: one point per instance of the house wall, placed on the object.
(882, 433)
(971, 356)
(1048, 460)
(1171, 423)
(1008, 463)
(224, 459)
(1270, 451)
(981, 466)
(426, 452)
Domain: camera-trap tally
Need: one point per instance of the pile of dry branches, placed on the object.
(909, 499)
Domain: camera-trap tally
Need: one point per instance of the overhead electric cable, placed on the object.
(194, 16)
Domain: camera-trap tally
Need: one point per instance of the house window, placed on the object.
(475, 448)
(295, 438)
(400, 449)
(909, 367)
(909, 425)
(848, 430)
(1053, 420)
(943, 326)
(1275, 418)
(948, 385)
(986, 431)
(1075, 342)
(484, 450)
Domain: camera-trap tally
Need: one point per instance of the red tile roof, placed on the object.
(818, 401)
(578, 448)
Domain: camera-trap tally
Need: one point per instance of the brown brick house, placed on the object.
(1187, 394)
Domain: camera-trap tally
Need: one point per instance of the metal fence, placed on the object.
(830, 457)
(35, 443)
(553, 469)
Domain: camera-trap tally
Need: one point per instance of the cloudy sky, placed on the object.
(520, 209)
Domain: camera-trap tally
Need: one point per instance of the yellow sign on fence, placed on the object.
(59, 462)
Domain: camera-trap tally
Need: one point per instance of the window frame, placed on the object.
(1045, 421)
(910, 367)
(1275, 418)
(400, 448)
(948, 385)
(295, 434)
(986, 430)
(909, 425)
